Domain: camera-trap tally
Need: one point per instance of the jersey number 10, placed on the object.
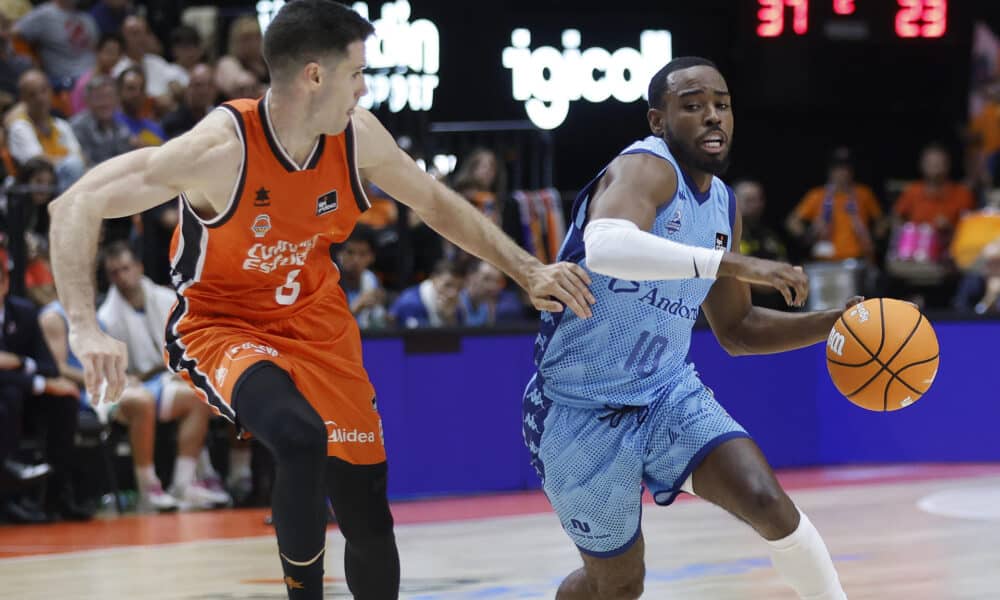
(645, 356)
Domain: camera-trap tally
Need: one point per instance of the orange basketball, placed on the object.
(882, 354)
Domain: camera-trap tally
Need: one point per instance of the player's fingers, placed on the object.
(547, 305)
(91, 378)
(116, 380)
(99, 375)
(575, 303)
(786, 293)
(574, 282)
(581, 273)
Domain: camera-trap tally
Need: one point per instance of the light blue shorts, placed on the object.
(594, 461)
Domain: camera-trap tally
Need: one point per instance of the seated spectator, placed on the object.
(199, 98)
(110, 14)
(934, 204)
(164, 82)
(242, 73)
(187, 48)
(840, 219)
(36, 133)
(135, 409)
(109, 52)
(64, 38)
(483, 183)
(975, 249)
(365, 295)
(758, 239)
(484, 302)
(35, 398)
(132, 97)
(100, 134)
(12, 65)
(135, 312)
(433, 302)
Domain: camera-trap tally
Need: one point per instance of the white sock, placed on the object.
(805, 563)
(239, 463)
(205, 468)
(145, 478)
(184, 472)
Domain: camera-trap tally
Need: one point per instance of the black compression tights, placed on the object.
(275, 412)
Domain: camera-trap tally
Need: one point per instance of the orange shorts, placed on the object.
(213, 355)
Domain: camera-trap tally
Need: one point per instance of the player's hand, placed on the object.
(552, 286)
(791, 282)
(104, 359)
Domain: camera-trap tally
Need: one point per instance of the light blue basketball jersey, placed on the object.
(634, 348)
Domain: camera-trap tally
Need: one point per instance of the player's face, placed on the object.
(697, 119)
(343, 85)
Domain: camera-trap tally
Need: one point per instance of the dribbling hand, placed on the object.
(104, 359)
(564, 282)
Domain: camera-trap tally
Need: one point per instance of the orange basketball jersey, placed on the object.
(258, 283)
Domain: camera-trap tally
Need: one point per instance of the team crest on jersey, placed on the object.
(261, 225)
(721, 241)
(326, 203)
(674, 224)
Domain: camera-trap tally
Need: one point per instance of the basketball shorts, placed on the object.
(215, 355)
(594, 462)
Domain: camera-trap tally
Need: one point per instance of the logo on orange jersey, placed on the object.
(261, 225)
(326, 203)
(248, 349)
(220, 375)
(339, 435)
(267, 258)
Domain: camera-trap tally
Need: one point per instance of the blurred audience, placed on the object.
(187, 47)
(109, 52)
(12, 65)
(482, 181)
(199, 98)
(35, 132)
(64, 37)
(838, 220)
(100, 134)
(133, 114)
(433, 302)
(164, 82)
(758, 238)
(110, 14)
(484, 301)
(242, 72)
(364, 292)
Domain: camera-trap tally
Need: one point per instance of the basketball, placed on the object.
(882, 354)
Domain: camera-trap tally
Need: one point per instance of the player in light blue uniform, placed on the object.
(614, 404)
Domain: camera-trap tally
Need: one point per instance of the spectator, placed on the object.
(839, 220)
(132, 96)
(136, 410)
(12, 65)
(199, 98)
(242, 73)
(483, 183)
(984, 138)
(433, 302)
(33, 395)
(758, 239)
(364, 292)
(35, 132)
(101, 135)
(110, 14)
(933, 205)
(484, 301)
(187, 47)
(164, 82)
(109, 52)
(38, 175)
(64, 37)
(135, 312)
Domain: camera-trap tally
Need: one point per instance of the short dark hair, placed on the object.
(448, 267)
(305, 30)
(117, 249)
(185, 35)
(362, 234)
(120, 80)
(658, 84)
(109, 37)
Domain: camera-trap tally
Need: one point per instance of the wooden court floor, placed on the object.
(915, 532)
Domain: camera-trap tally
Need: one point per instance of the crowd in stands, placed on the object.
(82, 82)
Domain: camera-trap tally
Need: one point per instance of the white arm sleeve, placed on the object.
(618, 248)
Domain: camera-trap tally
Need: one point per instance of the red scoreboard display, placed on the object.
(853, 19)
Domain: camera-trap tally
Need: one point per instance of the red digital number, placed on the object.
(771, 17)
(843, 7)
(922, 18)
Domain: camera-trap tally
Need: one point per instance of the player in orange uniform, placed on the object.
(261, 327)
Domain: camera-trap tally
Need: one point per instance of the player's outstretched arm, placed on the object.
(118, 187)
(381, 160)
(742, 328)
